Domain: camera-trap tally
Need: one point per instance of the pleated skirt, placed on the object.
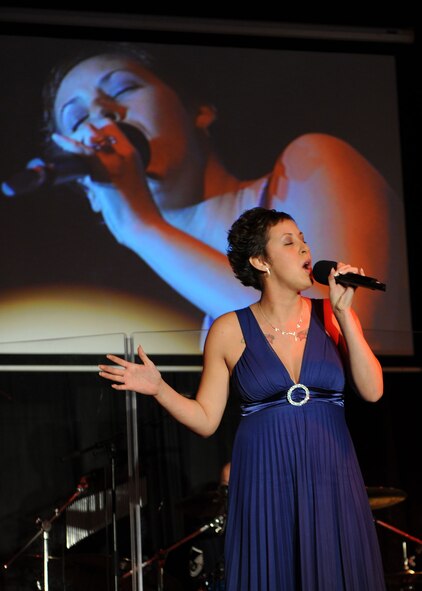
(298, 512)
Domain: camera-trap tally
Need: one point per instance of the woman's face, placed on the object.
(288, 255)
(106, 86)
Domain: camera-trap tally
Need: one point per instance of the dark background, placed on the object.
(73, 411)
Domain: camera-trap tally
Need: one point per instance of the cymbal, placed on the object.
(209, 503)
(381, 496)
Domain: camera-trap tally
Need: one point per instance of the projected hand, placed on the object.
(117, 188)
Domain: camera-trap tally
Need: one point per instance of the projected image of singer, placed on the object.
(175, 213)
(298, 511)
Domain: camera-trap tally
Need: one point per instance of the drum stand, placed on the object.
(160, 557)
(45, 526)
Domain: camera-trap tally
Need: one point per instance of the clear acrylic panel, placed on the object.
(65, 510)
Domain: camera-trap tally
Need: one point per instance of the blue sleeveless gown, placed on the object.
(298, 511)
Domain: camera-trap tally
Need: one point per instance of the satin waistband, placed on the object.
(281, 399)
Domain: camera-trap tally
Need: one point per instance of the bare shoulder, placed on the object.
(223, 329)
(317, 143)
(225, 338)
(316, 149)
(225, 322)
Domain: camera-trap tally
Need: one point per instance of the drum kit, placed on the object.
(406, 579)
(205, 545)
(212, 505)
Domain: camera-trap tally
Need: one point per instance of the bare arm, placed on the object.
(317, 172)
(120, 192)
(365, 368)
(202, 414)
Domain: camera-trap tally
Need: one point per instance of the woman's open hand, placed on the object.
(139, 377)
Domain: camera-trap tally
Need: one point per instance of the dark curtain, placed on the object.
(57, 427)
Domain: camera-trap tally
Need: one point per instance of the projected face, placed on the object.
(119, 88)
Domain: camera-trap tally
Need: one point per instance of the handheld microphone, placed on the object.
(322, 269)
(68, 167)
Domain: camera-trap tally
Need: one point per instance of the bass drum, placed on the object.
(206, 564)
(212, 582)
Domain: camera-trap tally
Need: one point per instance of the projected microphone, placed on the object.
(68, 167)
(322, 269)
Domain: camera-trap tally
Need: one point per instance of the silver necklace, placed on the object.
(291, 333)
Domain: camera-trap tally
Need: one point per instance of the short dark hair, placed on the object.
(247, 238)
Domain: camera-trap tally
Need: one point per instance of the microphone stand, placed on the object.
(112, 453)
(45, 526)
(398, 531)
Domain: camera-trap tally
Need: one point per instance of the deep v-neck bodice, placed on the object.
(260, 375)
(274, 352)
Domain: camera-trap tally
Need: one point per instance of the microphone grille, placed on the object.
(322, 269)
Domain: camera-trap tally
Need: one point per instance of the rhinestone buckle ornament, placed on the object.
(299, 402)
